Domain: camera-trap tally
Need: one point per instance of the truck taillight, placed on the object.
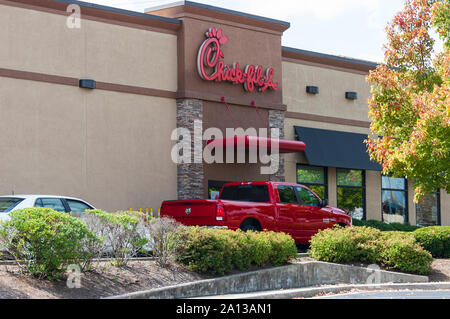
(220, 213)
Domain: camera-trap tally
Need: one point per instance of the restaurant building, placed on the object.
(90, 97)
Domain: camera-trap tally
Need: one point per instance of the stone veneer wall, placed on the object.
(276, 120)
(190, 176)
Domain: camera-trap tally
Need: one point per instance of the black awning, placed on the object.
(335, 149)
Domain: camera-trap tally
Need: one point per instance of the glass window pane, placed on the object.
(393, 206)
(246, 193)
(52, 203)
(393, 182)
(427, 211)
(349, 177)
(7, 204)
(318, 189)
(287, 195)
(310, 175)
(307, 198)
(76, 206)
(351, 200)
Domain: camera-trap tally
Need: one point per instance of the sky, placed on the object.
(351, 28)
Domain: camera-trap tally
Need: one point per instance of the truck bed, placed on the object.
(191, 212)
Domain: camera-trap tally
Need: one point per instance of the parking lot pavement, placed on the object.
(405, 294)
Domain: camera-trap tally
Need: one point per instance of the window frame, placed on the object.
(363, 187)
(405, 190)
(325, 177)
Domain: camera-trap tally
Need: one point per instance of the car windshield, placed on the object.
(7, 204)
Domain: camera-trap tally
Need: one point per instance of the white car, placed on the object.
(58, 203)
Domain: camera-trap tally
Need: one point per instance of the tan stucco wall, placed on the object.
(41, 42)
(332, 186)
(109, 148)
(373, 195)
(332, 85)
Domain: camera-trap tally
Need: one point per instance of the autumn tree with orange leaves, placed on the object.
(409, 105)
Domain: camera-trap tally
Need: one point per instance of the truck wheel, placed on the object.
(250, 224)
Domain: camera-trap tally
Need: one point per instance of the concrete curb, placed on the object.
(294, 276)
(314, 291)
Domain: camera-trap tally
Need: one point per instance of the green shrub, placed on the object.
(392, 249)
(435, 239)
(345, 245)
(219, 251)
(45, 242)
(406, 227)
(400, 251)
(206, 250)
(282, 247)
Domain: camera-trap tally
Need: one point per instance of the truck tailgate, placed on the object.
(191, 212)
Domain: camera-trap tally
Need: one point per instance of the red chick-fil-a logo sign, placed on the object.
(212, 68)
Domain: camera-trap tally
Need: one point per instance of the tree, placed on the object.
(409, 107)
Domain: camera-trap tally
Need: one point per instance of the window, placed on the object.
(351, 194)
(246, 193)
(307, 198)
(77, 206)
(394, 196)
(287, 195)
(7, 204)
(428, 211)
(315, 178)
(52, 203)
(214, 188)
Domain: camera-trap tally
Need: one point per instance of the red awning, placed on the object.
(284, 146)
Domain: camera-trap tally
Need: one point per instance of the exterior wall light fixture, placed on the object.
(312, 89)
(351, 95)
(87, 84)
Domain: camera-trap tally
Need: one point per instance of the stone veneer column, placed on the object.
(190, 176)
(276, 120)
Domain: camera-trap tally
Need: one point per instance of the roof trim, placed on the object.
(101, 13)
(328, 59)
(180, 9)
(120, 11)
(218, 9)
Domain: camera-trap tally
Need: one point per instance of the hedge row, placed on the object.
(394, 250)
(214, 251)
(44, 242)
(385, 226)
(435, 239)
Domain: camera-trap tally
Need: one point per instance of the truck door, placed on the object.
(311, 211)
(288, 212)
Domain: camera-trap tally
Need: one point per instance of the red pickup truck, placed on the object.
(285, 207)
